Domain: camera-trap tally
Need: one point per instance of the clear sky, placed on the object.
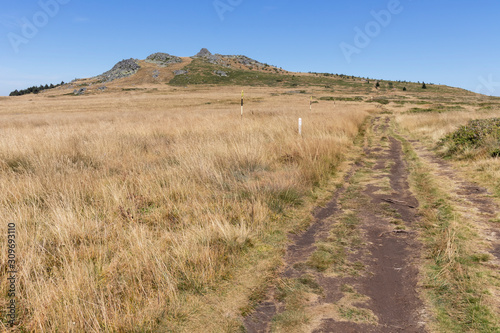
(450, 42)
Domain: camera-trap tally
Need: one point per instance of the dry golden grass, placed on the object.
(431, 127)
(124, 202)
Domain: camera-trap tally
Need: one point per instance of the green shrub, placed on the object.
(342, 99)
(480, 136)
(379, 100)
(437, 108)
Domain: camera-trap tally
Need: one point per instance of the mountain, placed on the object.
(231, 70)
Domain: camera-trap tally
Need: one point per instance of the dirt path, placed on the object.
(356, 265)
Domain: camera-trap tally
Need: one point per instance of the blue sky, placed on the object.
(448, 42)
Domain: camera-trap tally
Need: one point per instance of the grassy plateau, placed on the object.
(154, 206)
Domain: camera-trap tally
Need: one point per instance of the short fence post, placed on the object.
(242, 104)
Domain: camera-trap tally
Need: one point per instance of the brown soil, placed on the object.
(391, 279)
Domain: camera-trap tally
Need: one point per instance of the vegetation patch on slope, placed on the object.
(479, 138)
(203, 72)
(438, 108)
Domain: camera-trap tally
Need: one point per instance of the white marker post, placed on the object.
(300, 126)
(242, 104)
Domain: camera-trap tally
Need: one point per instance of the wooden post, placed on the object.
(311, 104)
(242, 104)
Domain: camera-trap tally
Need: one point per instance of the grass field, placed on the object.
(131, 207)
(153, 206)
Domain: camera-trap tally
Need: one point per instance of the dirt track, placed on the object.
(375, 288)
(369, 227)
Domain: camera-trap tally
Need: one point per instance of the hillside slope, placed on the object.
(205, 68)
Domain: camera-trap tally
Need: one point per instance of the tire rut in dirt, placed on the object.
(301, 247)
(391, 276)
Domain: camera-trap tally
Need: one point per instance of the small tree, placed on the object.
(377, 85)
(424, 86)
(404, 88)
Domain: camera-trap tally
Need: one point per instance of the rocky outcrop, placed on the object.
(203, 53)
(180, 72)
(122, 69)
(215, 59)
(129, 67)
(80, 92)
(222, 60)
(163, 59)
(220, 73)
(246, 61)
